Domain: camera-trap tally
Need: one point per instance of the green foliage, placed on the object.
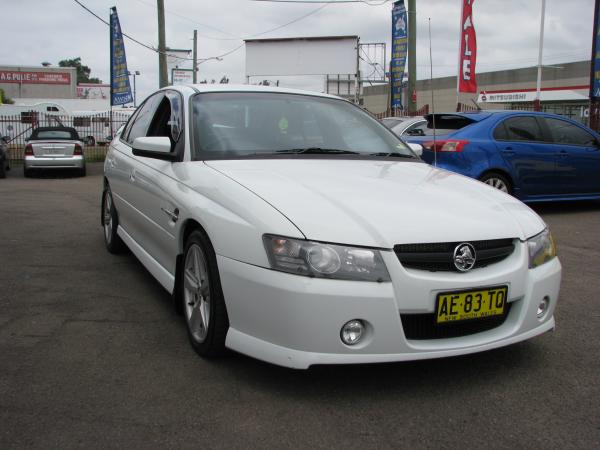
(4, 99)
(83, 72)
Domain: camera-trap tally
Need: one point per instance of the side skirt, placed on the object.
(159, 272)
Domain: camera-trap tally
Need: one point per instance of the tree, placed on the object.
(4, 99)
(83, 72)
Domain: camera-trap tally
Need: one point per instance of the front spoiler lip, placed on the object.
(298, 359)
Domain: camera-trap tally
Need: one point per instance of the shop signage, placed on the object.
(15, 76)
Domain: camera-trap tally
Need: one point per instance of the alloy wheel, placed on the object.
(497, 183)
(196, 288)
(108, 219)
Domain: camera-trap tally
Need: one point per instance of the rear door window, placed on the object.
(563, 132)
(521, 128)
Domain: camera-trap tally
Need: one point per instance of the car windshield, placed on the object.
(233, 125)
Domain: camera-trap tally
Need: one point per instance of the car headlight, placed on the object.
(541, 248)
(315, 259)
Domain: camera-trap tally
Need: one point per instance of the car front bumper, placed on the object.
(295, 321)
(57, 162)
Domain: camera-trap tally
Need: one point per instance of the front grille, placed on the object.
(439, 256)
(423, 326)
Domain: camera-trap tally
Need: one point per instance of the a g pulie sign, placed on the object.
(16, 76)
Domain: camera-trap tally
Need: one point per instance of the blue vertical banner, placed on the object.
(399, 48)
(595, 78)
(120, 90)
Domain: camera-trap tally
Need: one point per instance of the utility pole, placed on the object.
(412, 55)
(163, 78)
(538, 100)
(195, 58)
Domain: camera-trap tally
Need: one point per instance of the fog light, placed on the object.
(543, 307)
(352, 332)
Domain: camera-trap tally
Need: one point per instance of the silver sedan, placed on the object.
(54, 148)
(411, 126)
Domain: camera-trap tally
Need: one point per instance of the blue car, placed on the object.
(533, 156)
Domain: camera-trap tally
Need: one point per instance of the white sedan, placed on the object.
(292, 227)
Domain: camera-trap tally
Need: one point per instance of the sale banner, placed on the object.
(468, 50)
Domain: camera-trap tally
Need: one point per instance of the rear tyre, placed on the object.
(2, 169)
(204, 307)
(82, 172)
(498, 181)
(26, 172)
(110, 223)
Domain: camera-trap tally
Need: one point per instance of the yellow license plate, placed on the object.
(473, 304)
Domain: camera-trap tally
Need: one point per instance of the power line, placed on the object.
(181, 16)
(150, 47)
(291, 22)
(329, 2)
(234, 37)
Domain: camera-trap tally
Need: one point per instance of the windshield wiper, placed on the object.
(392, 154)
(318, 151)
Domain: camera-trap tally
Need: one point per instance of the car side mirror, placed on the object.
(157, 147)
(416, 148)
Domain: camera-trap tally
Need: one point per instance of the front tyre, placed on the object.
(203, 303)
(110, 223)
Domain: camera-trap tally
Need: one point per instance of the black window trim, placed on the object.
(179, 148)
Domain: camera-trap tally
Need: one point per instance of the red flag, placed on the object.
(468, 50)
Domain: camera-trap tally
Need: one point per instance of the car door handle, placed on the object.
(132, 176)
(174, 215)
(563, 154)
(508, 151)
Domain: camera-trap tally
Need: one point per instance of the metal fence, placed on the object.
(94, 129)
(397, 112)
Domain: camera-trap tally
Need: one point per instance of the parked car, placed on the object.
(4, 159)
(295, 228)
(411, 126)
(54, 148)
(533, 156)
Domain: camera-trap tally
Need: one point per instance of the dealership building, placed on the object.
(29, 85)
(565, 91)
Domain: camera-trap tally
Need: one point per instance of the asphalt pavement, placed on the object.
(92, 355)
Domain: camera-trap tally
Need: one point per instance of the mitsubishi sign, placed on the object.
(528, 95)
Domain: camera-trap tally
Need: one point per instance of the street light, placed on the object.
(137, 72)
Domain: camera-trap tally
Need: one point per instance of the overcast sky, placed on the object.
(34, 31)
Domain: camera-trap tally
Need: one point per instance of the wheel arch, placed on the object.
(188, 226)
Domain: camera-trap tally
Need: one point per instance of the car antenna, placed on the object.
(476, 105)
(432, 103)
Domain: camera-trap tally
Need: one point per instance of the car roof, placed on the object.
(484, 113)
(248, 88)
